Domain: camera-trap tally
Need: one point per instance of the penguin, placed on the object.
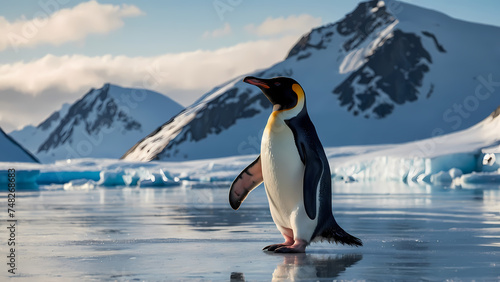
(295, 171)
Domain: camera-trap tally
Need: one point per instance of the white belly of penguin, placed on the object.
(283, 173)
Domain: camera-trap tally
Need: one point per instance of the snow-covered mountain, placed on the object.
(104, 123)
(11, 151)
(388, 72)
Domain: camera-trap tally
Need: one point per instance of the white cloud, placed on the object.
(225, 30)
(169, 73)
(291, 25)
(64, 25)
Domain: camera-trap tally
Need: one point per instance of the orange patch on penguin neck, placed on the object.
(299, 91)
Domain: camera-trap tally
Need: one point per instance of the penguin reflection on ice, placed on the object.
(295, 171)
(300, 267)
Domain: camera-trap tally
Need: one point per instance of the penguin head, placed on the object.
(283, 92)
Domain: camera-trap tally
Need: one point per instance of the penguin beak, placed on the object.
(264, 87)
(256, 81)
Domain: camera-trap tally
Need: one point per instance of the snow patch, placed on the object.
(80, 184)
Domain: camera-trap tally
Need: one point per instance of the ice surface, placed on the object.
(188, 231)
(178, 234)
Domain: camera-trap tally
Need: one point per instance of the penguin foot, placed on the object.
(299, 246)
(272, 248)
(288, 241)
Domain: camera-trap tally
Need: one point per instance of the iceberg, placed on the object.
(467, 157)
(113, 177)
(24, 179)
(479, 178)
(159, 179)
(62, 177)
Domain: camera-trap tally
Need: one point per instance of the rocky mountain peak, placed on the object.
(96, 110)
(357, 26)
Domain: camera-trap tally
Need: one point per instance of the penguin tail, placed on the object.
(335, 234)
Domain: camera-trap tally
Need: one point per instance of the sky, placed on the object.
(53, 51)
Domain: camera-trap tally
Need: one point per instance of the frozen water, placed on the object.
(77, 228)
(409, 233)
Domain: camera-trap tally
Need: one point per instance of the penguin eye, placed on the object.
(277, 83)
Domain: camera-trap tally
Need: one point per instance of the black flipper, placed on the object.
(310, 149)
(247, 180)
(312, 176)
